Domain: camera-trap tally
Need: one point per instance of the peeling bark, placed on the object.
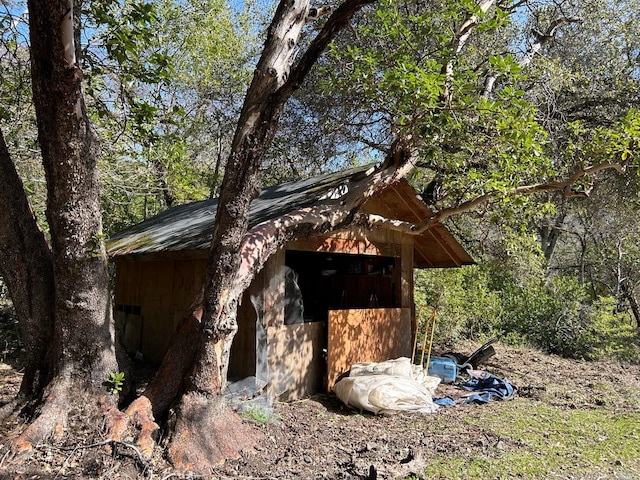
(52, 419)
(68, 39)
(266, 238)
(198, 417)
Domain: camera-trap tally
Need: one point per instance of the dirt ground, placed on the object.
(319, 438)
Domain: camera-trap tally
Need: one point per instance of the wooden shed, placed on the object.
(319, 305)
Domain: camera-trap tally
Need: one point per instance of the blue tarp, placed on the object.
(487, 386)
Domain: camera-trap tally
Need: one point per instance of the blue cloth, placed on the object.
(444, 401)
(487, 386)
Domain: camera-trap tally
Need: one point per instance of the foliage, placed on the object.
(115, 382)
(257, 414)
(17, 116)
(596, 330)
(485, 144)
(10, 343)
(165, 80)
(558, 317)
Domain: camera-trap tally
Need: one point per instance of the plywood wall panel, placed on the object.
(366, 335)
(296, 365)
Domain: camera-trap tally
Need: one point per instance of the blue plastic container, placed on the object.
(445, 368)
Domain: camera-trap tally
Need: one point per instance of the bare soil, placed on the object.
(320, 438)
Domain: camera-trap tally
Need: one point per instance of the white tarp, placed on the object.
(388, 387)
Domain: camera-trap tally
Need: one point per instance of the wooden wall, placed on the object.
(296, 362)
(163, 290)
(295, 359)
(294, 352)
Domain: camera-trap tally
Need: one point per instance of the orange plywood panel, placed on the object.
(366, 335)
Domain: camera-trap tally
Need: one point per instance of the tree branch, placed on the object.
(459, 41)
(332, 214)
(335, 23)
(540, 40)
(565, 186)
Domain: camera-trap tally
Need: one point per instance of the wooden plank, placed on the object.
(295, 360)
(188, 278)
(380, 242)
(444, 247)
(157, 307)
(127, 288)
(366, 335)
(418, 210)
(163, 290)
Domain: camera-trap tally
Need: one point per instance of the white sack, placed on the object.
(400, 366)
(388, 387)
(384, 394)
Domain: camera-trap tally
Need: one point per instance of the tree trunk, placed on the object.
(82, 347)
(549, 236)
(273, 83)
(25, 261)
(629, 296)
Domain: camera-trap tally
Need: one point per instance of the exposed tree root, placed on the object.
(162, 391)
(207, 433)
(139, 416)
(12, 408)
(50, 422)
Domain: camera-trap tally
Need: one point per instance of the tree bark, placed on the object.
(25, 261)
(82, 347)
(83, 330)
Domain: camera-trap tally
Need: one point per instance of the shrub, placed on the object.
(556, 316)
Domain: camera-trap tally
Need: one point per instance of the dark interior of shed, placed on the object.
(336, 281)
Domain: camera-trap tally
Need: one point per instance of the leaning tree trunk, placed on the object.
(82, 344)
(27, 269)
(202, 410)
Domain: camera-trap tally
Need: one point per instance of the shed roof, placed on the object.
(189, 227)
